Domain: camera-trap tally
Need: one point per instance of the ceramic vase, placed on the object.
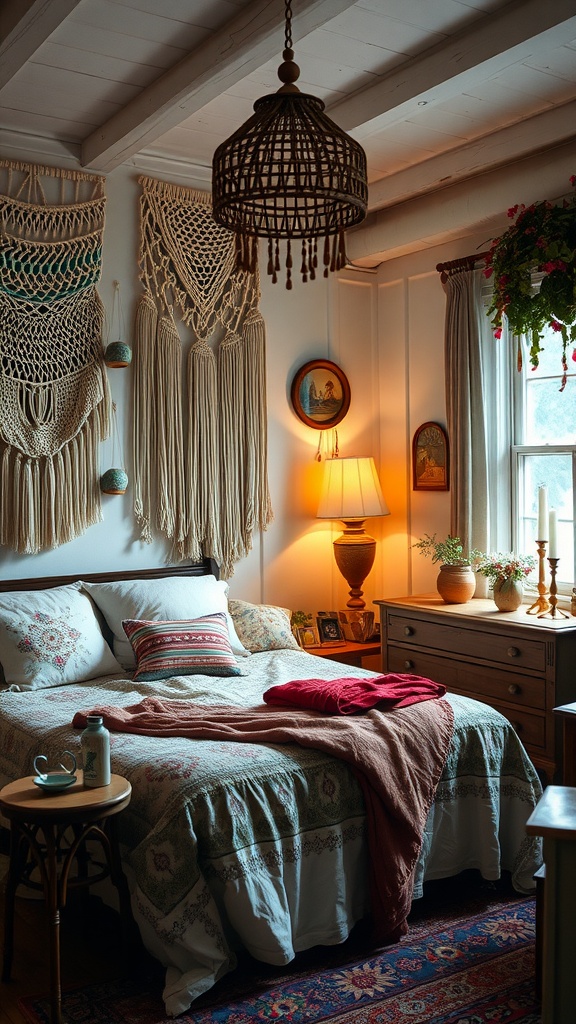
(114, 481)
(508, 594)
(118, 354)
(456, 583)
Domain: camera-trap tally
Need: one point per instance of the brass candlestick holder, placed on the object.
(541, 604)
(554, 611)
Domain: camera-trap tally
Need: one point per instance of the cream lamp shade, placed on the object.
(351, 492)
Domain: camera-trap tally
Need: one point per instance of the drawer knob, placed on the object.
(513, 652)
(408, 631)
(517, 726)
(514, 688)
(408, 664)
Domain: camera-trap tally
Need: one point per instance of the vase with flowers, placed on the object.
(542, 240)
(506, 573)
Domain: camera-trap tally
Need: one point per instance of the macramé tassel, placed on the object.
(203, 532)
(47, 502)
(171, 511)
(258, 507)
(232, 413)
(143, 439)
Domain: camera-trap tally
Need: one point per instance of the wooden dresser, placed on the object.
(519, 664)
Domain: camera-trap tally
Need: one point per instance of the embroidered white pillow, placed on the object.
(52, 637)
(168, 598)
(262, 627)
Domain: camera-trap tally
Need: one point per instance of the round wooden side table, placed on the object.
(48, 831)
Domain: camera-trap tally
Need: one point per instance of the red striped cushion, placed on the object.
(181, 648)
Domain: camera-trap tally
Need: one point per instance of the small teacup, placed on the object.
(43, 773)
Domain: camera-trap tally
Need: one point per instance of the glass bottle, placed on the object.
(95, 744)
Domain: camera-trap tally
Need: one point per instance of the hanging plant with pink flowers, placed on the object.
(542, 240)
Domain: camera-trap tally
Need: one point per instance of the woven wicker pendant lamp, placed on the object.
(289, 173)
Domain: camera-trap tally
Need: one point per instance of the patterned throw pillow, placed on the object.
(262, 627)
(184, 647)
(52, 637)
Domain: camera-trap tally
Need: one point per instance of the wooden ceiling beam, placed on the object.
(248, 41)
(506, 37)
(495, 149)
(24, 26)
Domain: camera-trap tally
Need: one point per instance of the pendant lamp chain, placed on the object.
(289, 173)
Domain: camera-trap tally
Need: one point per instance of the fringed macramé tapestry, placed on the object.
(54, 398)
(200, 445)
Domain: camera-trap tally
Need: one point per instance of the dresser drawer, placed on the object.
(476, 680)
(531, 728)
(474, 643)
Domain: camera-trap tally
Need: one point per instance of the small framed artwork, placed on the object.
(430, 458)
(320, 394)
(329, 628)
(308, 636)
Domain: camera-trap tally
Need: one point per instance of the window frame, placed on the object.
(510, 384)
(517, 452)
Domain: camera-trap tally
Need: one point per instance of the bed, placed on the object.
(228, 845)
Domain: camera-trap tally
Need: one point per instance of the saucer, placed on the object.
(55, 782)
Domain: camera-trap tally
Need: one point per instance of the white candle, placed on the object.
(542, 533)
(553, 541)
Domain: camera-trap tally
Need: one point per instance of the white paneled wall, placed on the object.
(386, 332)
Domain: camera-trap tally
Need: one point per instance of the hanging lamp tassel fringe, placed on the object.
(258, 507)
(232, 432)
(171, 512)
(143, 437)
(203, 532)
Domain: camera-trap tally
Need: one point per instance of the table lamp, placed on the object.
(351, 492)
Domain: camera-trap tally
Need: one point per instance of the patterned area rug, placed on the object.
(471, 963)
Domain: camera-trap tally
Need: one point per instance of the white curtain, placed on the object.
(465, 409)
(479, 417)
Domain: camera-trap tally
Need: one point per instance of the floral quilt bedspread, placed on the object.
(265, 846)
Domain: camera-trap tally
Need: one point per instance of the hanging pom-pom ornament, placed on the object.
(114, 481)
(117, 353)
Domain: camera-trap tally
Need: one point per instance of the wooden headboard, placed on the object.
(204, 568)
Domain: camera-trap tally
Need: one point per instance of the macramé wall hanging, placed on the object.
(200, 446)
(54, 397)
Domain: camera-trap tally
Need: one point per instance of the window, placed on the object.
(543, 452)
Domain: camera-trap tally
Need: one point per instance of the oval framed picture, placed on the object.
(430, 458)
(320, 394)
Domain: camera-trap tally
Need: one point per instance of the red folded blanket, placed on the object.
(349, 694)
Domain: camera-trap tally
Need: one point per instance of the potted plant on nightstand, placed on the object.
(506, 574)
(456, 582)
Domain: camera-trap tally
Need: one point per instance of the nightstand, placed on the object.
(347, 653)
(554, 818)
(49, 831)
(567, 714)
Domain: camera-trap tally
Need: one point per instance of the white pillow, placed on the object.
(173, 597)
(52, 637)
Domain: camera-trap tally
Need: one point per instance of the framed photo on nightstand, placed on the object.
(329, 628)
(308, 636)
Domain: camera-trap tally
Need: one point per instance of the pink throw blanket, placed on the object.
(397, 757)
(349, 694)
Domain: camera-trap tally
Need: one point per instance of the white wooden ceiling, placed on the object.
(437, 91)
